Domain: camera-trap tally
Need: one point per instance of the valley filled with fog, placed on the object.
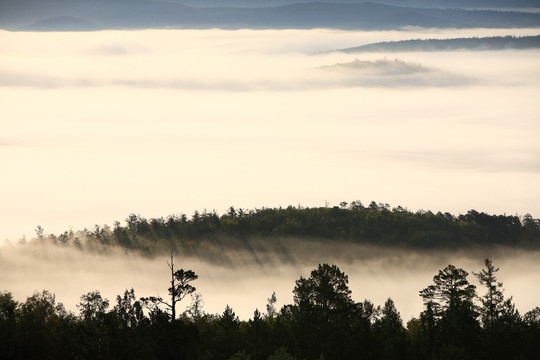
(98, 125)
(247, 279)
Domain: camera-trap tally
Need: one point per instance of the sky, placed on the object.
(97, 125)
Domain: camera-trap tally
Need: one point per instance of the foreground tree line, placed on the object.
(375, 224)
(324, 322)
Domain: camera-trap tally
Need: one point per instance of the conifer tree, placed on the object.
(492, 301)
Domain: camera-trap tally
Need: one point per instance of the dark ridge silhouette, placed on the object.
(49, 15)
(485, 43)
(62, 23)
(440, 4)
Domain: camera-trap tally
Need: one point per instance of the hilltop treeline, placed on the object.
(324, 322)
(482, 43)
(375, 224)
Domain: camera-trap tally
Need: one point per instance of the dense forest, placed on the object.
(375, 224)
(478, 43)
(459, 321)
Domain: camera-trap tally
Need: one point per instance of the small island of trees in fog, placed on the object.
(458, 321)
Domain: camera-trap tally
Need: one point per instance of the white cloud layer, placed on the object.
(97, 125)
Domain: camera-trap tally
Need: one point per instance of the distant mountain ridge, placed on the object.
(50, 15)
(440, 4)
(484, 43)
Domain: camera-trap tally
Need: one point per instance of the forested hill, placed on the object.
(376, 224)
(485, 43)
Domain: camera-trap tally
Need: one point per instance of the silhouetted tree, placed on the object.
(492, 302)
(92, 306)
(94, 333)
(326, 291)
(450, 316)
(180, 288)
(271, 305)
(8, 323)
(322, 323)
(38, 326)
(531, 333)
(390, 334)
(195, 310)
(322, 312)
(128, 310)
(450, 288)
(493, 299)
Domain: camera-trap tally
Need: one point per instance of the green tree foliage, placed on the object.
(450, 289)
(450, 317)
(377, 223)
(38, 327)
(93, 313)
(531, 333)
(390, 334)
(503, 326)
(492, 301)
(128, 310)
(195, 310)
(322, 304)
(8, 322)
(93, 306)
(271, 305)
(325, 293)
(281, 354)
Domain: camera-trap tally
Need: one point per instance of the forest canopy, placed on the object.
(375, 224)
(459, 321)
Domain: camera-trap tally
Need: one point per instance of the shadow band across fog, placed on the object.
(244, 278)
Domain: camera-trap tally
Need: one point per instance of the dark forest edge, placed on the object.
(476, 43)
(458, 322)
(376, 224)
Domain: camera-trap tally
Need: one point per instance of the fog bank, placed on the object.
(247, 279)
(98, 125)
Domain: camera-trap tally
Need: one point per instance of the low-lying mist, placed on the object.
(245, 279)
(97, 125)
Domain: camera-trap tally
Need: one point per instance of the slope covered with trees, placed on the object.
(477, 44)
(375, 224)
(459, 321)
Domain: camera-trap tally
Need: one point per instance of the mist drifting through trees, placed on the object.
(134, 125)
(322, 321)
(243, 255)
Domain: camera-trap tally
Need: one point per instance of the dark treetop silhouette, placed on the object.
(323, 322)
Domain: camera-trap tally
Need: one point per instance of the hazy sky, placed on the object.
(97, 125)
